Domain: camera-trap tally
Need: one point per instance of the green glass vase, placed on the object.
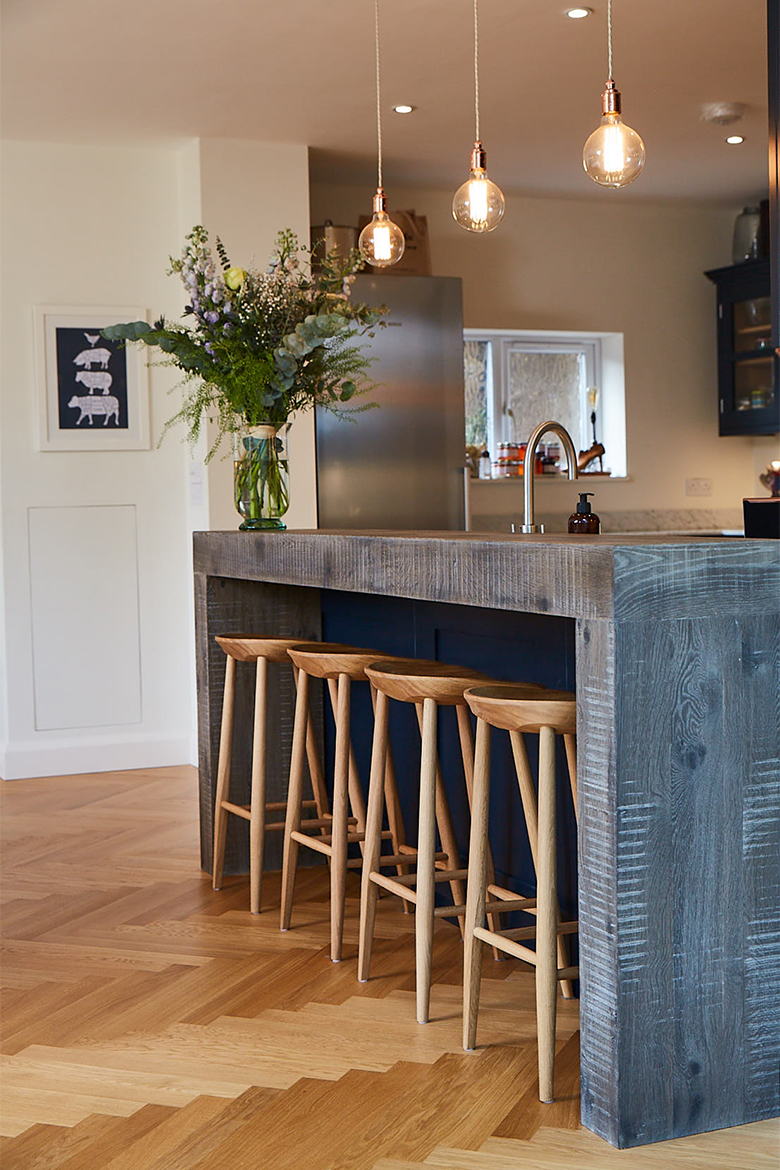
(261, 477)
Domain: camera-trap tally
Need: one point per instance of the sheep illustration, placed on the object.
(93, 404)
(95, 380)
(89, 357)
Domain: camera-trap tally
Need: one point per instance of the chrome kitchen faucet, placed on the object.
(528, 470)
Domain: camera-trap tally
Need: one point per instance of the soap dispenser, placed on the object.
(584, 522)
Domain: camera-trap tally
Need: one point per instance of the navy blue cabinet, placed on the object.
(749, 402)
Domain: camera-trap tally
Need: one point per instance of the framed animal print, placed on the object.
(93, 394)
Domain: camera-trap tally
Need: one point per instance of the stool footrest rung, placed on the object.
(405, 858)
(281, 805)
(441, 875)
(324, 844)
(507, 895)
(317, 823)
(530, 931)
(240, 810)
(518, 951)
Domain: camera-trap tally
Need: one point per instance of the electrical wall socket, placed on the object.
(698, 487)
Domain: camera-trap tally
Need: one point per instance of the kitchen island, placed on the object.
(677, 651)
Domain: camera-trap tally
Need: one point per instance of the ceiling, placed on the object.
(301, 71)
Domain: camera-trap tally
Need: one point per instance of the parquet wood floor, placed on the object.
(152, 1024)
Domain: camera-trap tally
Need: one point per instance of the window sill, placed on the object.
(517, 480)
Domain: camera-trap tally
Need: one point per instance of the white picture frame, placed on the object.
(93, 395)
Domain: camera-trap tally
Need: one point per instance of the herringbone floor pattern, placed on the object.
(151, 1024)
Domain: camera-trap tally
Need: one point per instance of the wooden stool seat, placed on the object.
(427, 685)
(514, 710)
(248, 647)
(520, 708)
(412, 680)
(331, 659)
(340, 665)
(259, 650)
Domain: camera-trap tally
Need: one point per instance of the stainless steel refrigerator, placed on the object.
(401, 466)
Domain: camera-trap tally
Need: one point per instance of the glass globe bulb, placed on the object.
(614, 154)
(478, 205)
(381, 242)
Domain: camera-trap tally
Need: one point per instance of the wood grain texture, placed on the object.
(597, 577)
(152, 1024)
(678, 849)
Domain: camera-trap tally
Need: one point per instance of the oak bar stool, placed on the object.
(517, 711)
(428, 685)
(341, 665)
(260, 650)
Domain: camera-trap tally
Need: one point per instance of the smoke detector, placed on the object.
(722, 113)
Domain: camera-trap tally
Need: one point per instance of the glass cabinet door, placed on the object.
(753, 381)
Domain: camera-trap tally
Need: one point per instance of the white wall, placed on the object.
(607, 265)
(95, 226)
(86, 226)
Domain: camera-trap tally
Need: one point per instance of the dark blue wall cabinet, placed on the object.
(748, 384)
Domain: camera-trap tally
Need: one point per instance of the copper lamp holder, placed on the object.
(610, 99)
(380, 201)
(478, 157)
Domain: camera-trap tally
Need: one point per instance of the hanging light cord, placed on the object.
(476, 71)
(609, 40)
(378, 97)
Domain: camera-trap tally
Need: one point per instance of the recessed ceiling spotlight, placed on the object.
(735, 139)
(403, 109)
(578, 13)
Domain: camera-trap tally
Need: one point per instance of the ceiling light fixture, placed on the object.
(735, 139)
(381, 241)
(478, 205)
(579, 13)
(403, 109)
(614, 154)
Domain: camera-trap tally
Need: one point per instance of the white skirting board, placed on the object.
(74, 756)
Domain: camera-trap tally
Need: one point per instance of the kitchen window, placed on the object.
(515, 379)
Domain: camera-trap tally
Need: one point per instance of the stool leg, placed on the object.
(547, 917)
(426, 864)
(528, 797)
(257, 795)
(570, 743)
(475, 897)
(446, 831)
(318, 789)
(223, 772)
(369, 891)
(467, 755)
(338, 863)
(393, 805)
(292, 822)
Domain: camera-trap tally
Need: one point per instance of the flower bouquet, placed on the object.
(262, 347)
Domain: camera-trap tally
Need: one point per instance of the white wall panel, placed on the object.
(85, 616)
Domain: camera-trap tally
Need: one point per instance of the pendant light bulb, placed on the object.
(614, 155)
(478, 204)
(381, 241)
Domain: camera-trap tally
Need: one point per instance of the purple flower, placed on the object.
(212, 317)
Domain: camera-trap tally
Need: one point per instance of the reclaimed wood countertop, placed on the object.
(618, 577)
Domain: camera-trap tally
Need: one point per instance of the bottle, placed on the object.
(484, 464)
(746, 244)
(584, 522)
